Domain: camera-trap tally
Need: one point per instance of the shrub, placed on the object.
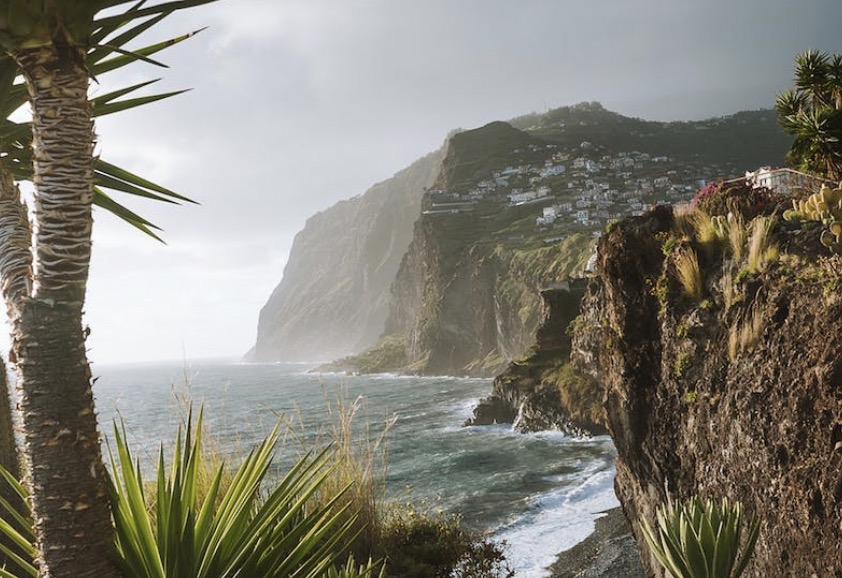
(741, 197)
(426, 545)
(411, 541)
(699, 539)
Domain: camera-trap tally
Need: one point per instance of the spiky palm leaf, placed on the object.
(812, 113)
(114, 33)
(811, 75)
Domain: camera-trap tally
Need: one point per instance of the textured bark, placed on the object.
(61, 442)
(16, 243)
(8, 450)
(15, 283)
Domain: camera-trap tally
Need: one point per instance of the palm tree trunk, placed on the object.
(9, 459)
(16, 283)
(61, 442)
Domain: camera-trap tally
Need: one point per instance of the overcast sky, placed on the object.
(297, 104)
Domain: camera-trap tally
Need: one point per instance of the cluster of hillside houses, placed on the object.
(577, 190)
(583, 193)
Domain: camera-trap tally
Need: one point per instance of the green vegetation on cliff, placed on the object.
(388, 355)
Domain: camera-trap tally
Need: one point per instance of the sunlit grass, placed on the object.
(688, 273)
(746, 333)
(761, 251)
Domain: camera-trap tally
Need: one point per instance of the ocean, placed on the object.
(540, 493)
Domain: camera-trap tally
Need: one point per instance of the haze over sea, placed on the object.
(538, 492)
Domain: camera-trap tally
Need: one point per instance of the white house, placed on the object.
(522, 197)
(553, 171)
(784, 181)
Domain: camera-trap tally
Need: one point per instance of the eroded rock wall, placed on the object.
(529, 393)
(693, 410)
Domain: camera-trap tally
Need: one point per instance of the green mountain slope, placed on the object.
(509, 209)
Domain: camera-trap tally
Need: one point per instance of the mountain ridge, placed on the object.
(481, 198)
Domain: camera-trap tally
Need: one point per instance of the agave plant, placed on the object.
(240, 531)
(699, 539)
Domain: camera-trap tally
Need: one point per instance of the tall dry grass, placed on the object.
(360, 463)
(746, 332)
(761, 250)
(688, 273)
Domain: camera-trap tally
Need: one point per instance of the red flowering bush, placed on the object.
(741, 197)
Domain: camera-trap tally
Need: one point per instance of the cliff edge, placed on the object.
(729, 387)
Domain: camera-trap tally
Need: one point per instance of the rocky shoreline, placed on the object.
(609, 552)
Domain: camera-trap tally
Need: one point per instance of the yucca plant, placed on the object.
(55, 47)
(702, 539)
(248, 532)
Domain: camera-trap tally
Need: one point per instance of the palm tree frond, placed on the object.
(163, 194)
(105, 202)
(102, 109)
(106, 65)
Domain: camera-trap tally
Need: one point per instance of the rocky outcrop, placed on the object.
(333, 298)
(542, 390)
(737, 393)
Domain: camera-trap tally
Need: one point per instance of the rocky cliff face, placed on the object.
(736, 392)
(463, 297)
(465, 306)
(542, 390)
(333, 298)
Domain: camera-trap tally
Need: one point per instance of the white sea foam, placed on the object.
(556, 522)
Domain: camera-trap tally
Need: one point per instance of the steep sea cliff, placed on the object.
(333, 297)
(735, 393)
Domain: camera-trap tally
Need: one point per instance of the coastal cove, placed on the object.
(539, 492)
